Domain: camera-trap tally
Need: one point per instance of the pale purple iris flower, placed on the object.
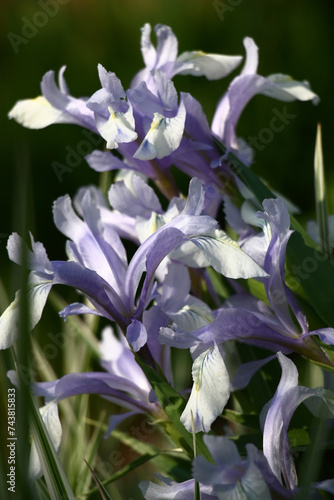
(150, 122)
(277, 415)
(243, 88)
(247, 319)
(98, 266)
(259, 475)
(165, 58)
(123, 382)
(234, 477)
(113, 114)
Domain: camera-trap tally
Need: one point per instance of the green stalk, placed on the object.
(320, 195)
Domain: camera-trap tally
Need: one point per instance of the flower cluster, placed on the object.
(167, 295)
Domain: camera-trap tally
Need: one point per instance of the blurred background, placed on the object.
(295, 38)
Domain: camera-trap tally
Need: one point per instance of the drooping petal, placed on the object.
(210, 392)
(212, 66)
(38, 291)
(216, 249)
(102, 161)
(116, 420)
(118, 128)
(38, 113)
(326, 335)
(243, 88)
(37, 257)
(78, 308)
(193, 315)
(287, 398)
(164, 136)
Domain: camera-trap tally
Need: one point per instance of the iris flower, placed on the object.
(98, 266)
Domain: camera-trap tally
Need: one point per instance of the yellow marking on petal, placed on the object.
(41, 100)
(112, 113)
(156, 121)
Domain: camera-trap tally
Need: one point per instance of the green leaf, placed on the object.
(256, 288)
(250, 420)
(173, 463)
(92, 450)
(320, 195)
(125, 470)
(315, 274)
(99, 485)
(298, 437)
(173, 404)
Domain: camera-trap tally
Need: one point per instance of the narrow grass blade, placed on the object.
(99, 485)
(320, 195)
(91, 451)
(54, 474)
(125, 470)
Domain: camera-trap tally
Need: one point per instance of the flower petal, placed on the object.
(216, 249)
(164, 136)
(212, 66)
(136, 335)
(210, 392)
(38, 113)
(39, 289)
